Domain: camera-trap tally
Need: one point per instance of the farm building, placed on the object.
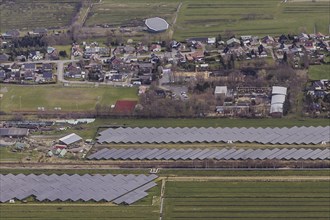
(13, 132)
(156, 24)
(70, 139)
(278, 99)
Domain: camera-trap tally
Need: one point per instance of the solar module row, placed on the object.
(118, 189)
(294, 135)
(216, 154)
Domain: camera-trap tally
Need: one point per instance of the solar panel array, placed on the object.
(294, 135)
(216, 154)
(118, 189)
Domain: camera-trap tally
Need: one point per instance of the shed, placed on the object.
(13, 132)
(220, 90)
(70, 139)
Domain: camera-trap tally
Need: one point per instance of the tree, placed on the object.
(63, 53)
(285, 58)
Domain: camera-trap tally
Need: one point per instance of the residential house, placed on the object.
(233, 42)
(268, 40)
(309, 45)
(47, 67)
(11, 34)
(28, 75)
(303, 37)
(47, 75)
(40, 31)
(2, 75)
(29, 66)
(155, 48)
(4, 58)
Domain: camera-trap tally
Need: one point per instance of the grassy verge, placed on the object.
(213, 122)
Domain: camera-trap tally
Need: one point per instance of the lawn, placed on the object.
(247, 200)
(29, 98)
(66, 48)
(27, 14)
(317, 72)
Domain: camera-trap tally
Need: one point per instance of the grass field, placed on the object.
(317, 72)
(27, 14)
(29, 98)
(126, 12)
(247, 200)
(210, 18)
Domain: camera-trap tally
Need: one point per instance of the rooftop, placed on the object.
(157, 24)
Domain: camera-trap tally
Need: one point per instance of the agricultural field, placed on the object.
(29, 98)
(271, 17)
(27, 14)
(210, 18)
(317, 72)
(130, 13)
(246, 200)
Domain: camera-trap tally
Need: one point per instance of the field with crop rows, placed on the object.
(26, 14)
(131, 13)
(247, 200)
(271, 17)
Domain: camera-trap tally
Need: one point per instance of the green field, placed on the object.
(27, 14)
(212, 17)
(29, 98)
(126, 12)
(247, 200)
(261, 18)
(317, 72)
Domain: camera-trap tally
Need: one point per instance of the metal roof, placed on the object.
(70, 139)
(294, 135)
(217, 154)
(14, 132)
(119, 189)
(279, 90)
(156, 24)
